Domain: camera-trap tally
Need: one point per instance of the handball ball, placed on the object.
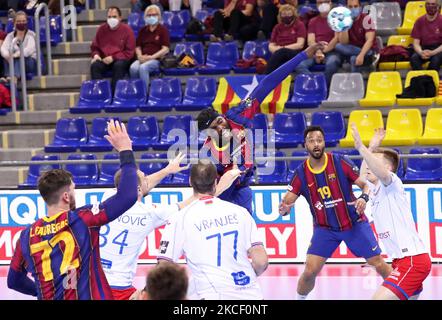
(339, 19)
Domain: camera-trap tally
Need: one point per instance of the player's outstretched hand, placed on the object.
(117, 136)
(379, 135)
(356, 136)
(174, 165)
(285, 208)
(359, 204)
(311, 50)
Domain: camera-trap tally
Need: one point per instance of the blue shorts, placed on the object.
(241, 196)
(360, 240)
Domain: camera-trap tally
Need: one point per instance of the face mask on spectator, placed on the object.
(287, 20)
(112, 22)
(151, 20)
(431, 9)
(21, 26)
(324, 7)
(355, 12)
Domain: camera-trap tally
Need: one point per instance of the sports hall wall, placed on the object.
(286, 238)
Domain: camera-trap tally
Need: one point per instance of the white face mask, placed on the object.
(113, 22)
(324, 7)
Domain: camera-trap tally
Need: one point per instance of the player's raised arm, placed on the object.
(374, 164)
(18, 279)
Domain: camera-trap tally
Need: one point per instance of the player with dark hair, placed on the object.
(325, 180)
(228, 139)
(61, 250)
(166, 281)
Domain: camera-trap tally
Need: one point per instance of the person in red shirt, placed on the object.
(319, 31)
(358, 44)
(235, 15)
(152, 44)
(427, 35)
(288, 38)
(112, 48)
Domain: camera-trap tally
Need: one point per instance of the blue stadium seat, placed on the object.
(199, 94)
(152, 167)
(195, 49)
(259, 49)
(129, 95)
(83, 174)
(260, 123)
(308, 92)
(54, 28)
(176, 22)
(135, 22)
(94, 96)
(108, 170)
(424, 168)
(202, 14)
(165, 93)
(97, 142)
(350, 152)
(289, 129)
(69, 135)
(273, 171)
(36, 169)
(143, 131)
(10, 24)
(180, 122)
(4, 111)
(401, 168)
(221, 57)
(294, 164)
(332, 122)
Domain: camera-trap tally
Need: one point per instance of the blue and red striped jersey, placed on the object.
(328, 191)
(62, 253)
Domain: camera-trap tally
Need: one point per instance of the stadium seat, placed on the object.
(97, 142)
(289, 129)
(309, 90)
(153, 167)
(108, 170)
(129, 95)
(401, 40)
(195, 49)
(221, 57)
(366, 121)
(382, 89)
(400, 172)
(260, 127)
(94, 96)
(404, 127)
(35, 170)
(181, 137)
(294, 164)
(200, 93)
(427, 169)
(346, 89)
(272, 171)
(143, 132)
(252, 49)
(350, 152)
(69, 135)
(176, 22)
(332, 122)
(388, 17)
(433, 128)
(165, 93)
(54, 28)
(4, 112)
(417, 102)
(413, 11)
(83, 174)
(202, 15)
(135, 22)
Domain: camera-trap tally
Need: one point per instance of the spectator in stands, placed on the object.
(358, 44)
(27, 38)
(265, 18)
(141, 5)
(427, 35)
(2, 61)
(152, 44)
(319, 31)
(288, 38)
(112, 48)
(192, 5)
(235, 15)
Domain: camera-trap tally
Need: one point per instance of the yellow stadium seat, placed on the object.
(382, 88)
(221, 98)
(403, 40)
(404, 127)
(433, 127)
(413, 11)
(366, 121)
(275, 101)
(419, 101)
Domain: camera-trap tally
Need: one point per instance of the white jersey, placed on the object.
(215, 236)
(121, 240)
(393, 219)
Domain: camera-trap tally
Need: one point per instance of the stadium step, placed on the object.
(86, 33)
(13, 176)
(26, 138)
(99, 15)
(71, 66)
(46, 117)
(119, 3)
(52, 101)
(19, 153)
(71, 48)
(58, 82)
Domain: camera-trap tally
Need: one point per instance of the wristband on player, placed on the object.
(364, 196)
(127, 157)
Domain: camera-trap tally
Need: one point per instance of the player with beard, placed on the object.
(325, 180)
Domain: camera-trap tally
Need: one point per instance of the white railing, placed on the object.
(43, 6)
(13, 85)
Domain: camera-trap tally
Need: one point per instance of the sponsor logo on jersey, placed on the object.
(318, 205)
(240, 278)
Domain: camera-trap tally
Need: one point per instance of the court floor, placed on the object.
(335, 282)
